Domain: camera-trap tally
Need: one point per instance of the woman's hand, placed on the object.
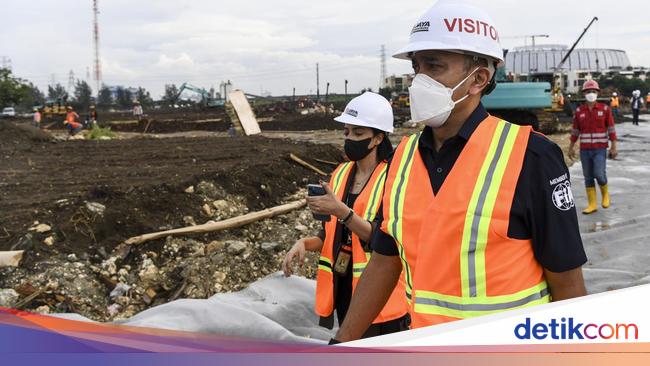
(327, 204)
(298, 250)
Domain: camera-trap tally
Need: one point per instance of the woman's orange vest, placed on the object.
(458, 259)
(614, 102)
(366, 206)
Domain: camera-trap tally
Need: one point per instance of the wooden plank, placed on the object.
(220, 225)
(306, 164)
(244, 113)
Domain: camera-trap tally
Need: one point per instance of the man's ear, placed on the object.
(480, 81)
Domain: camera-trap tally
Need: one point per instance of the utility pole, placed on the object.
(317, 83)
(346, 87)
(293, 97)
(382, 75)
(98, 65)
(327, 91)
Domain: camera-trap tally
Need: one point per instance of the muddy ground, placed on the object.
(92, 195)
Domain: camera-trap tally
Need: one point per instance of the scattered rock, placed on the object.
(119, 290)
(302, 228)
(214, 246)
(207, 189)
(149, 295)
(8, 297)
(189, 189)
(220, 205)
(189, 220)
(207, 210)
(42, 309)
(96, 208)
(40, 228)
(49, 241)
(270, 246)
(235, 247)
(113, 309)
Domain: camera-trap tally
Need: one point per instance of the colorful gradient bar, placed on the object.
(32, 339)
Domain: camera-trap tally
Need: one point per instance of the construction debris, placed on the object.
(11, 258)
(245, 115)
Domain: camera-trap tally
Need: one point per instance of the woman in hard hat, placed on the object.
(352, 199)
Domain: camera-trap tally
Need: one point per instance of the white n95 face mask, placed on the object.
(431, 101)
(591, 97)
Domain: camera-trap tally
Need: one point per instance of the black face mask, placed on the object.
(357, 150)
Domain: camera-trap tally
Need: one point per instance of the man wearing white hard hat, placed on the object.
(477, 212)
(350, 202)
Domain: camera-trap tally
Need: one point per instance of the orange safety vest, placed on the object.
(70, 117)
(647, 99)
(366, 206)
(614, 102)
(458, 259)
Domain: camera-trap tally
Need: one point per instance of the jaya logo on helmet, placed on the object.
(421, 27)
(351, 112)
(474, 26)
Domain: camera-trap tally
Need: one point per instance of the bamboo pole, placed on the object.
(306, 164)
(223, 224)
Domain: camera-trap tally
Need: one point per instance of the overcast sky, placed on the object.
(273, 45)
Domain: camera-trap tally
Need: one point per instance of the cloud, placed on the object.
(270, 45)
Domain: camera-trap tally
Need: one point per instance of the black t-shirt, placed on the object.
(343, 294)
(542, 208)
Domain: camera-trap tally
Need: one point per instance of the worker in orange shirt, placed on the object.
(614, 103)
(71, 121)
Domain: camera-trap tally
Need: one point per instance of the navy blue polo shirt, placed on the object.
(542, 209)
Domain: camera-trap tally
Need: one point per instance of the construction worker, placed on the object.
(37, 118)
(352, 198)
(92, 116)
(477, 212)
(137, 110)
(647, 99)
(71, 123)
(636, 103)
(594, 124)
(614, 104)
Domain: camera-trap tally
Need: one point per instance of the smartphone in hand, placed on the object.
(317, 190)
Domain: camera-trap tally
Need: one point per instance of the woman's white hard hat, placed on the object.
(368, 110)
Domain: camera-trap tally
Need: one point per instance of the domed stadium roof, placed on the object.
(545, 58)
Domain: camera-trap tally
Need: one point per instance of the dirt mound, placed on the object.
(22, 133)
(89, 196)
(297, 122)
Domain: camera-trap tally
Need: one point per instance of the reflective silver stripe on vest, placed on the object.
(483, 307)
(478, 213)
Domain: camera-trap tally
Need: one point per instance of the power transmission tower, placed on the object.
(382, 75)
(98, 65)
(317, 83)
(71, 82)
(6, 62)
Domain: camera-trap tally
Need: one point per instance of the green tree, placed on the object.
(57, 92)
(124, 98)
(144, 97)
(11, 89)
(83, 94)
(32, 96)
(105, 98)
(171, 92)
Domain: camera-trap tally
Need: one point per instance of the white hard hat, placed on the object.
(451, 25)
(615, 94)
(368, 110)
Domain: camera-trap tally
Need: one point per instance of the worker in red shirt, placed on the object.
(594, 124)
(71, 123)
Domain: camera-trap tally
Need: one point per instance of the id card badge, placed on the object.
(343, 260)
